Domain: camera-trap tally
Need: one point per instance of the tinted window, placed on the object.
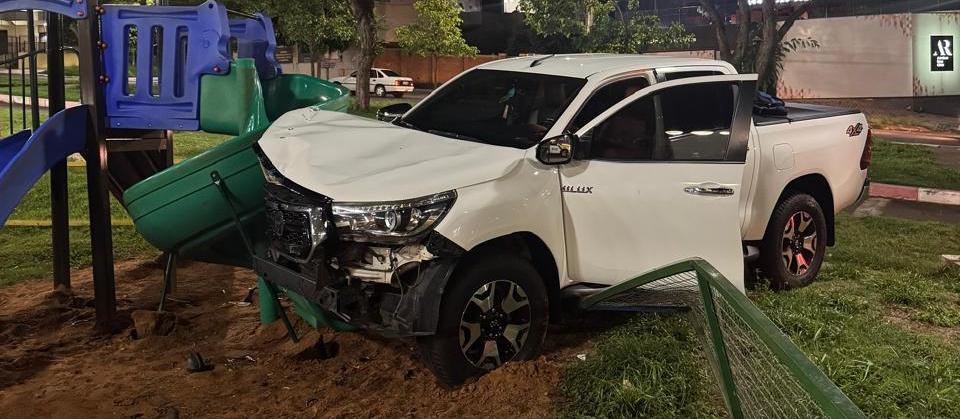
(604, 98)
(694, 125)
(391, 73)
(696, 120)
(504, 108)
(629, 134)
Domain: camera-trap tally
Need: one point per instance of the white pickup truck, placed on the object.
(466, 220)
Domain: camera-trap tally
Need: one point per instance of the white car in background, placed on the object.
(383, 81)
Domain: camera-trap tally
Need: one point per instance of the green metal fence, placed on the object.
(760, 372)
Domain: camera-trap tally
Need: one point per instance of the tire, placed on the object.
(398, 95)
(379, 90)
(795, 243)
(506, 280)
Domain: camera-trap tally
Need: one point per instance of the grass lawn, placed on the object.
(25, 251)
(20, 86)
(883, 321)
(913, 165)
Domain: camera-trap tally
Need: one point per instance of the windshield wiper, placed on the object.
(453, 135)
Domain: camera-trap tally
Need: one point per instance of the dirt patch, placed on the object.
(900, 317)
(52, 363)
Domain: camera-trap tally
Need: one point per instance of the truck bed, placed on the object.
(802, 112)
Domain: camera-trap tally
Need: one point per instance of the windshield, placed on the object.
(503, 108)
(390, 73)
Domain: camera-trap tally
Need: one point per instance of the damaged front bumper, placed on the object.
(393, 289)
(412, 312)
(390, 291)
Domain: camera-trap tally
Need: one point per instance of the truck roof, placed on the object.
(586, 65)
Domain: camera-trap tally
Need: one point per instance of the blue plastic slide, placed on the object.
(24, 158)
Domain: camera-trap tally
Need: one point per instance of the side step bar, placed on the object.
(640, 299)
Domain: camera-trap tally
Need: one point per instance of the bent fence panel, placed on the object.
(759, 371)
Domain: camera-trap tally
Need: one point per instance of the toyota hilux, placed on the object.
(466, 219)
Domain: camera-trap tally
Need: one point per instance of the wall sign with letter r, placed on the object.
(941, 48)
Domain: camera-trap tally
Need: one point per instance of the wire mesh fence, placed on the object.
(758, 370)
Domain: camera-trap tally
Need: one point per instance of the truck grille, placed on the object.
(294, 229)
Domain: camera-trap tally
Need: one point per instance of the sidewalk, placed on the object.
(913, 193)
(19, 100)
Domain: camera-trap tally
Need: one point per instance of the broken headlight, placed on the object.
(390, 222)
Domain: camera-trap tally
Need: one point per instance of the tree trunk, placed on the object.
(743, 34)
(366, 40)
(433, 71)
(314, 60)
(719, 30)
(772, 38)
(764, 62)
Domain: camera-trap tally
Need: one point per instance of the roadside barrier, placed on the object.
(759, 371)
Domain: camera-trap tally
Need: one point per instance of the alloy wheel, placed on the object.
(494, 324)
(799, 243)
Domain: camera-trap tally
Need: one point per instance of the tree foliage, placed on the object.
(436, 30)
(314, 25)
(603, 25)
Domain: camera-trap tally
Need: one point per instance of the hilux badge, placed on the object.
(577, 189)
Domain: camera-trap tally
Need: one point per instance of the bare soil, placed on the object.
(54, 364)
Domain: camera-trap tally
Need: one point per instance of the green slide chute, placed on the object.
(180, 210)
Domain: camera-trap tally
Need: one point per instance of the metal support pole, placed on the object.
(101, 241)
(34, 82)
(169, 271)
(59, 207)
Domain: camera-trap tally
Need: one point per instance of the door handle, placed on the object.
(709, 189)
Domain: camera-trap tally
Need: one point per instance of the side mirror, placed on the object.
(556, 150)
(393, 112)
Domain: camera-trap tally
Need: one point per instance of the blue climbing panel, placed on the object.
(154, 59)
(256, 39)
(70, 8)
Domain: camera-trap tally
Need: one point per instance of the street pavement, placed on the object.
(920, 211)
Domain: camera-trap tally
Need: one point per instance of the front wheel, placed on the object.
(795, 243)
(380, 91)
(493, 311)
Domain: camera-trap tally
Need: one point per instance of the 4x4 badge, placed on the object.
(855, 130)
(577, 189)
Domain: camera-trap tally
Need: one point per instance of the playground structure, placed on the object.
(146, 71)
(210, 207)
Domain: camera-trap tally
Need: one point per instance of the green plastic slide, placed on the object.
(180, 209)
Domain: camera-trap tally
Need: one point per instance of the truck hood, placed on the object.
(354, 159)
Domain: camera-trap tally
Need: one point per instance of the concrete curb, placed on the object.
(914, 193)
